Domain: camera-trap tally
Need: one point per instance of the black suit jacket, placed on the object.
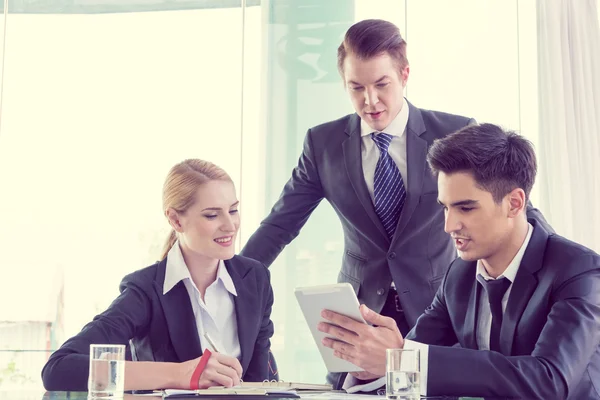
(550, 335)
(163, 328)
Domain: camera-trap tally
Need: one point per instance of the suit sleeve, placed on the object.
(68, 367)
(262, 365)
(434, 327)
(300, 196)
(562, 353)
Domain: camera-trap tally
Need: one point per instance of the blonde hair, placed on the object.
(181, 185)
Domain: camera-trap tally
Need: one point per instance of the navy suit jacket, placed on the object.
(330, 166)
(161, 327)
(550, 335)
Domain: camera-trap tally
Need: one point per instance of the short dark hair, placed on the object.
(500, 161)
(370, 38)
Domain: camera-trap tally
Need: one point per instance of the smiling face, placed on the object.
(376, 88)
(480, 227)
(209, 227)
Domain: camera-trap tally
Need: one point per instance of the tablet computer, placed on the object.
(339, 298)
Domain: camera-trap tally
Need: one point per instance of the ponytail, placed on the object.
(171, 239)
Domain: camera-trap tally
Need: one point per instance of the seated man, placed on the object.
(522, 303)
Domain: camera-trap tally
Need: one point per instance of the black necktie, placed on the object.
(495, 290)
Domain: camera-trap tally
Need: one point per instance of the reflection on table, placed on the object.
(42, 395)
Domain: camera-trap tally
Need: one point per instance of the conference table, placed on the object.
(41, 395)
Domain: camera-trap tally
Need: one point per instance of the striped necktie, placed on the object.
(388, 186)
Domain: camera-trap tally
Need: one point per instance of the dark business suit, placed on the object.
(330, 167)
(163, 327)
(550, 335)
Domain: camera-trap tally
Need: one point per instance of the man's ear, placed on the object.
(517, 202)
(174, 220)
(404, 75)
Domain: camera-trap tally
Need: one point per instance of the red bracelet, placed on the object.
(199, 369)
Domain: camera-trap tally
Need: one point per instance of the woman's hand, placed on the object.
(221, 370)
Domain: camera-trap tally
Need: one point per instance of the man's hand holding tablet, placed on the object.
(340, 328)
(361, 344)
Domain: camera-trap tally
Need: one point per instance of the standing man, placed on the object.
(371, 167)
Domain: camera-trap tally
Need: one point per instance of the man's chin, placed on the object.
(467, 256)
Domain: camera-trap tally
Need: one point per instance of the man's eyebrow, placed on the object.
(377, 81)
(460, 203)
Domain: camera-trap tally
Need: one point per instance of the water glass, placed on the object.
(107, 371)
(403, 374)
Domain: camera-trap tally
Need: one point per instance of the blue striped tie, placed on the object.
(388, 187)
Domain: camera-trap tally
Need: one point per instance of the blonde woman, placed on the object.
(199, 287)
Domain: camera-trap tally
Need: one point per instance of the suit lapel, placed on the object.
(179, 315)
(470, 327)
(416, 153)
(523, 287)
(247, 309)
(353, 161)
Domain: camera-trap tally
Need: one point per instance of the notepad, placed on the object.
(214, 391)
(277, 388)
(246, 393)
(281, 385)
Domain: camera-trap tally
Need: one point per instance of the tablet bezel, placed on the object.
(340, 298)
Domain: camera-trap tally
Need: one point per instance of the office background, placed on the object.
(98, 99)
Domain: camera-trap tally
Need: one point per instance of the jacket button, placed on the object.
(392, 255)
(380, 291)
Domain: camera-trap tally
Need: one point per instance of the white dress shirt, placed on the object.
(216, 314)
(484, 314)
(397, 150)
(484, 320)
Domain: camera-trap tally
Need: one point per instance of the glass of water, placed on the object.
(107, 371)
(403, 374)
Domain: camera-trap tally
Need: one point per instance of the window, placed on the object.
(96, 109)
(100, 99)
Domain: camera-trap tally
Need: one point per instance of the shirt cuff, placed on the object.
(423, 361)
(351, 384)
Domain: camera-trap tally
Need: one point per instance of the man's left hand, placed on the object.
(361, 344)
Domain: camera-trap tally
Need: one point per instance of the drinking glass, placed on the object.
(403, 374)
(107, 371)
